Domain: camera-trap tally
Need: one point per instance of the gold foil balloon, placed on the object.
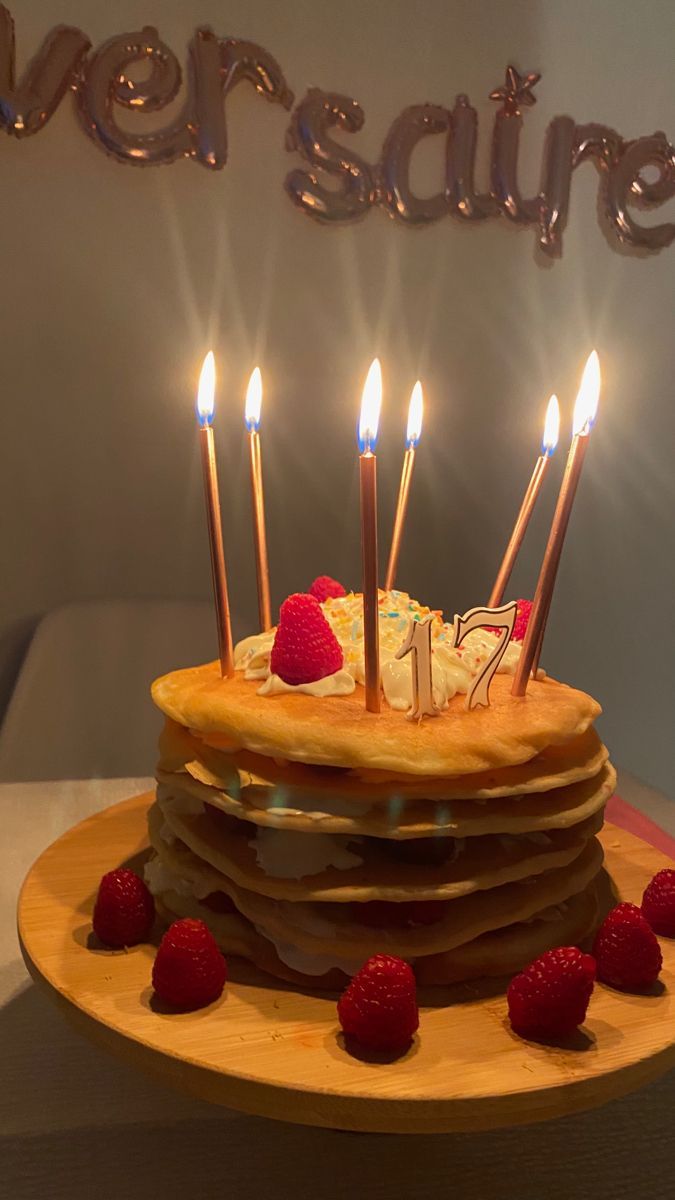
(556, 180)
(105, 85)
(247, 61)
(308, 134)
(217, 68)
(27, 106)
(199, 130)
(515, 92)
(625, 183)
(107, 90)
(395, 194)
(597, 142)
(209, 131)
(567, 146)
(463, 200)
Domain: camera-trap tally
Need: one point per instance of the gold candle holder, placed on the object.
(550, 441)
(205, 409)
(415, 413)
(584, 416)
(252, 418)
(368, 424)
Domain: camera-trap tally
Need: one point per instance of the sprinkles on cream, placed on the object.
(452, 669)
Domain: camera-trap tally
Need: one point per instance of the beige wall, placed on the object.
(116, 279)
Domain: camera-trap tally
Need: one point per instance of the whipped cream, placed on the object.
(285, 854)
(340, 683)
(167, 834)
(310, 964)
(453, 669)
(305, 805)
(162, 878)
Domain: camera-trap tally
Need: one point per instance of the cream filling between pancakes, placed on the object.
(284, 854)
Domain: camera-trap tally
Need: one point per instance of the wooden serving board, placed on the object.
(274, 1051)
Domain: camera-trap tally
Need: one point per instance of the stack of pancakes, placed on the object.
(310, 834)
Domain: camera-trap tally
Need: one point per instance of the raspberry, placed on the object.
(124, 912)
(658, 903)
(523, 610)
(305, 647)
(189, 970)
(325, 588)
(550, 997)
(404, 914)
(627, 952)
(522, 619)
(378, 1008)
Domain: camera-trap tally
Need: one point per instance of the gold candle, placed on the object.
(585, 410)
(252, 418)
(415, 414)
(549, 443)
(371, 402)
(205, 409)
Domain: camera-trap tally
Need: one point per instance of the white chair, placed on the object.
(81, 706)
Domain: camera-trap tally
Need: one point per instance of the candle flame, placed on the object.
(551, 427)
(415, 415)
(371, 403)
(253, 400)
(206, 390)
(586, 405)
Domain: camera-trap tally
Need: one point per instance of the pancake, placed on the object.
(332, 928)
(556, 809)
(244, 772)
(377, 872)
(338, 731)
(507, 951)
(501, 953)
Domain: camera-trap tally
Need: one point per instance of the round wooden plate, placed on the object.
(274, 1051)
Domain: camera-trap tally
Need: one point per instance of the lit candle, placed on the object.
(252, 418)
(585, 411)
(415, 413)
(205, 407)
(371, 402)
(549, 443)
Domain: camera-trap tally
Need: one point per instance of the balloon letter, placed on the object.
(105, 84)
(625, 182)
(555, 190)
(515, 93)
(312, 118)
(459, 187)
(408, 129)
(27, 106)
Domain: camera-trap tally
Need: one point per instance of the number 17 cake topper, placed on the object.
(418, 645)
(477, 618)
